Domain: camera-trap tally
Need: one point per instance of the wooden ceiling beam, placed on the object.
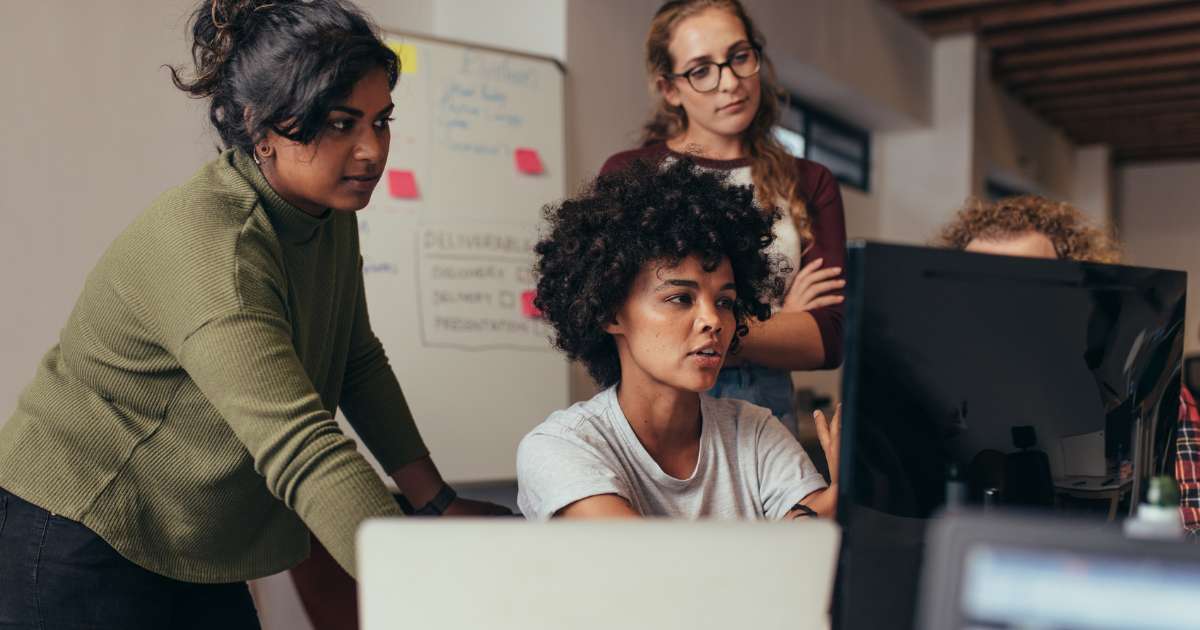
(1149, 126)
(1177, 148)
(1093, 51)
(1106, 67)
(1157, 137)
(1167, 17)
(1142, 123)
(1181, 144)
(1135, 110)
(1114, 99)
(1123, 112)
(1158, 151)
(917, 7)
(1152, 155)
(1185, 136)
(1032, 12)
(1141, 80)
(1119, 127)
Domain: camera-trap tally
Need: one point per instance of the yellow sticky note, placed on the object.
(407, 53)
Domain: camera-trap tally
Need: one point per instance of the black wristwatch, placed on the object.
(805, 511)
(438, 504)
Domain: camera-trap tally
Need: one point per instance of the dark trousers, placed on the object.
(56, 573)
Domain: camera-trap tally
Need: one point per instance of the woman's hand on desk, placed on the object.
(470, 507)
(420, 481)
(814, 288)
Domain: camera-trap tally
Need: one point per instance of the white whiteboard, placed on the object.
(448, 270)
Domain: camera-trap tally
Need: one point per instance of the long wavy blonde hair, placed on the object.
(772, 168)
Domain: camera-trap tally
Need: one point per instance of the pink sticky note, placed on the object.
(528, 161)
(527, 307)
(402, 184)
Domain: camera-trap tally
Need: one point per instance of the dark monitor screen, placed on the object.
(979, 380)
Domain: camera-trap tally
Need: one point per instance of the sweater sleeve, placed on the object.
(829, 242)
(244, 364)
(372, 399)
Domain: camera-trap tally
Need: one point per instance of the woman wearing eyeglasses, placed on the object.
(718, 103)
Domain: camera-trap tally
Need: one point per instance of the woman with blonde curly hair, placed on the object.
(1029, 225)
(718, 102)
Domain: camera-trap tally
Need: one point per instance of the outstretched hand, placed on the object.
(829, 433)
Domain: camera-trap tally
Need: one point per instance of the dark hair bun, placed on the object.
(216, 25)
(279, 65)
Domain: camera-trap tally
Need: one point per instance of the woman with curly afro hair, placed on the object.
(1028, 225)
(649, 277)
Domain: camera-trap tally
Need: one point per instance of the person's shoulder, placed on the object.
(653, 152)
(812, 176)
(212, 232)
(194, 221)
(217, 190)
(734, 414)
(208, 210)
(584, 421)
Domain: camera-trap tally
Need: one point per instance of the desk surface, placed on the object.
(1082, 483)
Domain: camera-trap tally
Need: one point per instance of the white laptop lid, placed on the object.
(512, 574)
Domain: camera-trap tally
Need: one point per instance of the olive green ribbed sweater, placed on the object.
(185, 414)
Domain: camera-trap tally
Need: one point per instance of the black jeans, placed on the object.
(56, 573)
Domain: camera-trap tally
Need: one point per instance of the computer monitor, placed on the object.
(974, 379)
(1025, 571)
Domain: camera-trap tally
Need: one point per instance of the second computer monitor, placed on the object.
(997, 382)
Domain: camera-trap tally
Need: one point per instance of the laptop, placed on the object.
(1045, 571)
(515, 575)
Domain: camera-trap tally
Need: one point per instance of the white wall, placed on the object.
(925, 173)
(1092, 188)
(858, 58)
(93, 131)
(533, 26)
(1160, 227)
(1016, 146)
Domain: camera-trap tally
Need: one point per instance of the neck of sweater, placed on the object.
(293, 224)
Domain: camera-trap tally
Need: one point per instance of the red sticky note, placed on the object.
(528, 161)
(402, 184)
(527, 307)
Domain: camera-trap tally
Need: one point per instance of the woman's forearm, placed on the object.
(823, 502)
(419, 481)
(786, 341)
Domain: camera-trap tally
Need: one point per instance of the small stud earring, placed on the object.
(264, 150)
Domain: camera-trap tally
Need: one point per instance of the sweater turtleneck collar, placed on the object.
(293, 224)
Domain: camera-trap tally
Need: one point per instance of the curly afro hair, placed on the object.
(1062, 223)
(603, 237)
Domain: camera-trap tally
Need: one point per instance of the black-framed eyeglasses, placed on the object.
(706, 77)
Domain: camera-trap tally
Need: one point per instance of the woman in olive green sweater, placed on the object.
(179, 439)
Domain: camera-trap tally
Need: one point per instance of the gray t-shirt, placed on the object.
(749, 467)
